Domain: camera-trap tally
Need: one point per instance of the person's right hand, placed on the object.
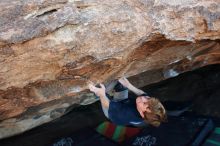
(98, 91)
(124, 82)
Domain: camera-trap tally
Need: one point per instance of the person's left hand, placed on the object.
(124, 81)
(98, 91)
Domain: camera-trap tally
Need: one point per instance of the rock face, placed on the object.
(50, 49)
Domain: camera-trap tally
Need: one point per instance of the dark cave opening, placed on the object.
(200, 86)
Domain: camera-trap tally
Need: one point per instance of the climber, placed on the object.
(123, 109)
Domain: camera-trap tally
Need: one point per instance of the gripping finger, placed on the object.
(92, 87)
(102, 86)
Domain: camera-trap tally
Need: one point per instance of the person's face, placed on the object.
(142, 103)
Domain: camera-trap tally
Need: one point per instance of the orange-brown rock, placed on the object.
(50, 49)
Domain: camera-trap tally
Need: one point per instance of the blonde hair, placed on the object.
(157, 114)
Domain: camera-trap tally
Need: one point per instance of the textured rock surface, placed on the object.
(201, 85)
(49, 49)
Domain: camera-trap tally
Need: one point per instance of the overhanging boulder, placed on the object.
(50, 49)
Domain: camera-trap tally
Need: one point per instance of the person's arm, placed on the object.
(101, 93)
(131, 87)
